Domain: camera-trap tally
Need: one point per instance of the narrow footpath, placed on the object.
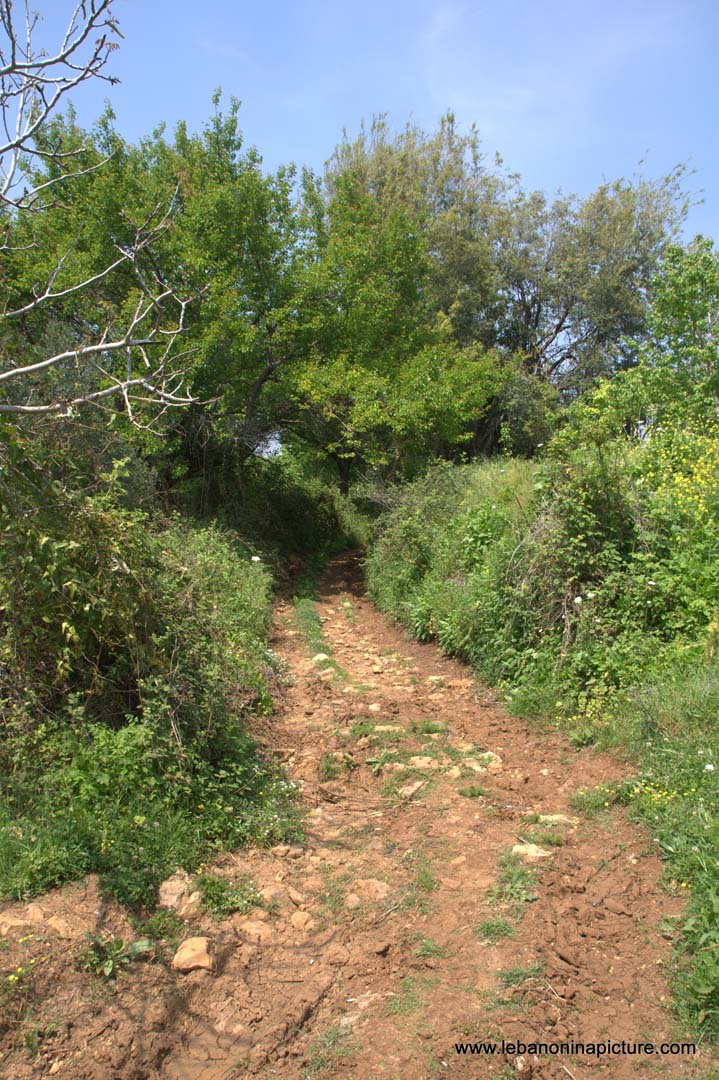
(448, 891)
(453, 888)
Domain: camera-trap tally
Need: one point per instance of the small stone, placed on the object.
(409, 790)
(474, 765)
(374, 707)
(616, 907)
(371, 889)
(302, 920)
(382, 948)
(388, 727)
(54, 1068)
(558, 819)
(319, 658)
(258, 913)
(454, 772)
(352, 901)
(458, 861)
(450, 883)
(422, 762)
(60, 926)
(532, 852)
(194, 955)
(178, 894)
(296, 897)
(337, 955)
(255, 931)
(281, 850)
(13, 922)
(274, 895)
(295, 851)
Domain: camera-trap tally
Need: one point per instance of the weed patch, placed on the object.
(407, 1000)
(516, 976)
(331, 1047)
(515, 883)
(429, 948)
(222, 897)
(423, 883)
(108, 956)
(137, 761)
(493, 930)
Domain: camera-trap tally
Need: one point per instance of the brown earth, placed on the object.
(374, 957)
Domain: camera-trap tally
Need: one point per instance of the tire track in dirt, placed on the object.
(383, 944)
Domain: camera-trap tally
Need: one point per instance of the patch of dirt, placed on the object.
(382, 947)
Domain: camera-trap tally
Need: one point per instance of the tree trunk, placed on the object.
(344, 468)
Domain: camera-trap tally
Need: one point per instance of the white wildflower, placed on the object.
(708, 767)
(256, 558)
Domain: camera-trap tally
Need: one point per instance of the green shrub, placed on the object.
(286, 503)
(222, 897)
(588, 589)
(131, 651)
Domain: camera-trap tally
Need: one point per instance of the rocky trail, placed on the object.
(447, 892)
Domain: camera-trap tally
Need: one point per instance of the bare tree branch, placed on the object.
(32, 84)
(133, 359)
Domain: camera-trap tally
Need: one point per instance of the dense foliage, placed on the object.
(130, 650)
(587, 586)
(207, 368)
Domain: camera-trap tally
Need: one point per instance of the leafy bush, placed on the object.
(588, 588)
(131, 650)
(286, 503)
(222, 897)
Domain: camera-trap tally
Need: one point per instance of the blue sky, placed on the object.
(569, 93)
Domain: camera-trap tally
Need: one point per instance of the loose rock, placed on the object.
(194, 955)
(302, 920)
(532, 852)
(409, 790)
(178, 894)
(371, 889)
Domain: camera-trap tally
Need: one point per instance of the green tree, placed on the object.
(558, 284)
(575, 276)
(381, 382)
(675, 383)
(441, 182)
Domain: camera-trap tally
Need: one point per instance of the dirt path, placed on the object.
(404, 925)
